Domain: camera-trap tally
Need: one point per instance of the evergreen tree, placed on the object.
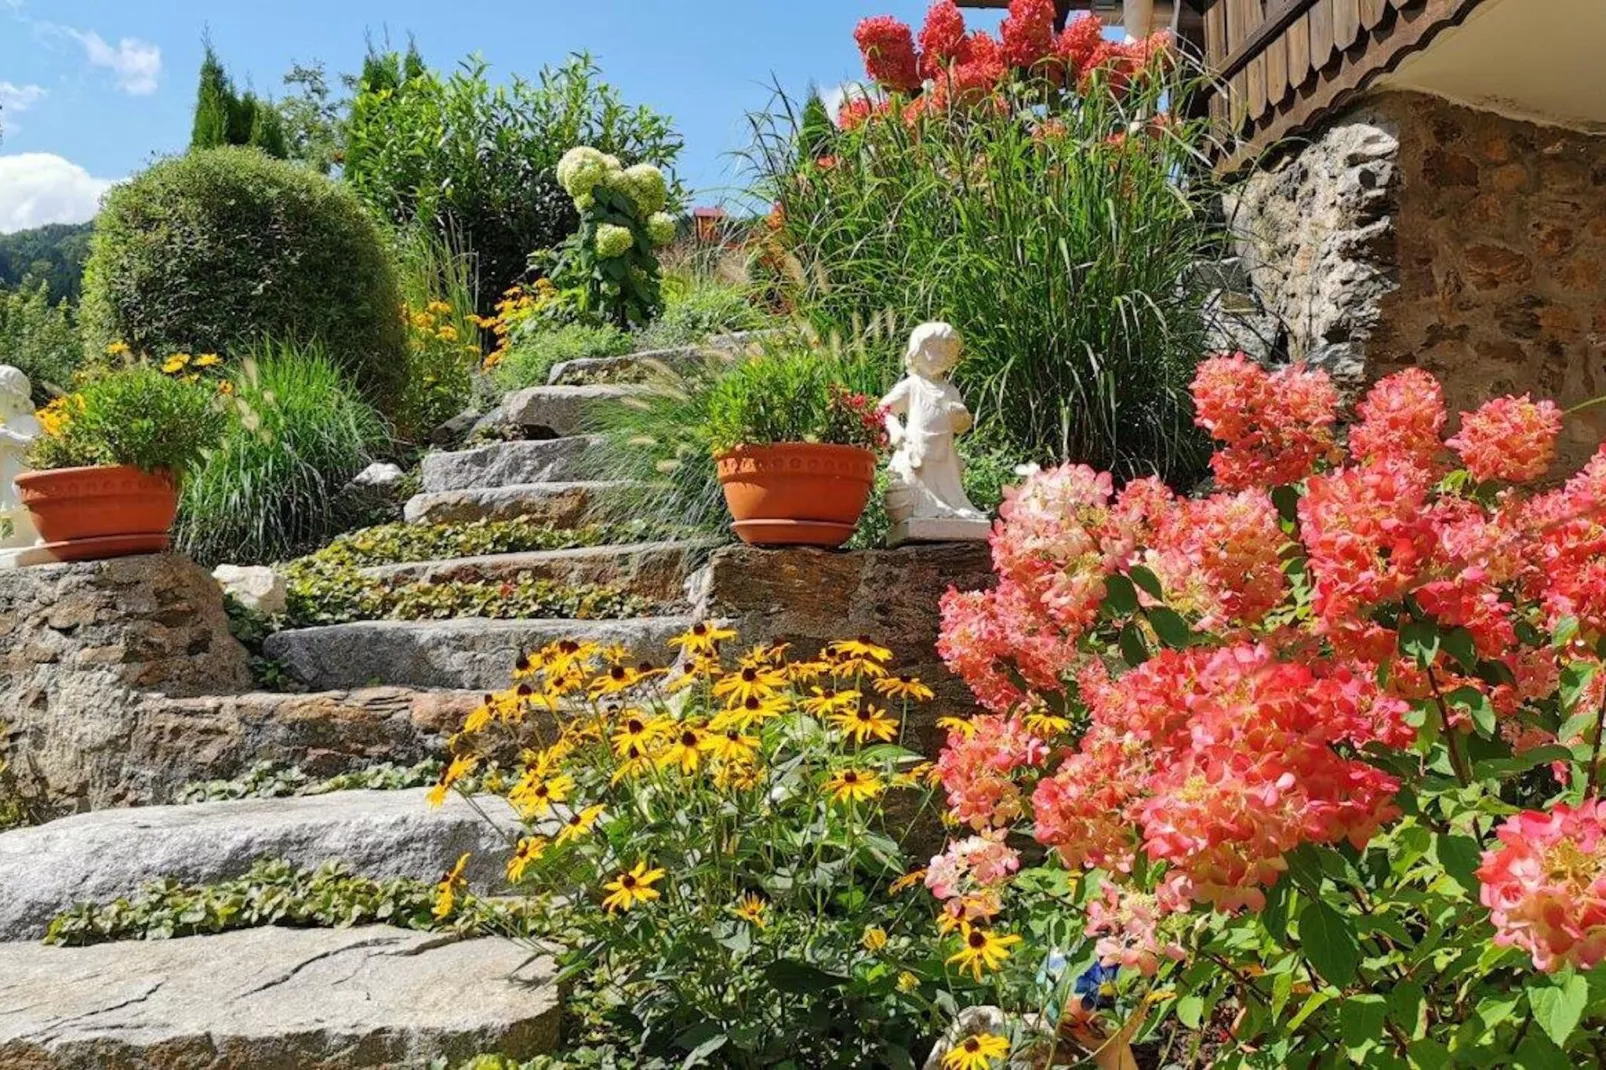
(214, 105)
(816, 131)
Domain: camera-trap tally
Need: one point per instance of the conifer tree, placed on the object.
(214, 105)
(815, 131)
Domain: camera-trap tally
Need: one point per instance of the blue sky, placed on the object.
(93, 90)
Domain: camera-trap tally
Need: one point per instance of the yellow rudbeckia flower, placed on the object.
(628, 889)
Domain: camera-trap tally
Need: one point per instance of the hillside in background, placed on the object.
(55, 253)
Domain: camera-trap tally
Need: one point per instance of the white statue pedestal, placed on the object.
(938, 529)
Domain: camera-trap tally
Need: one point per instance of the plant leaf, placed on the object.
(1330, 943)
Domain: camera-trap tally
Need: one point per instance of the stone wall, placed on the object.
(1412, 231)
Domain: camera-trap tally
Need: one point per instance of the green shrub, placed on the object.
(133, 415)
(796, 395)
(209, 252)
(390, 544)
(479, 161)
(443, 332)
(1062, 250)
(698, 309)
(534, 352)
(39, 338)
(610, 264)
(272, 489)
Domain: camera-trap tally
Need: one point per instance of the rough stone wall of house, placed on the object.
(1413, 231)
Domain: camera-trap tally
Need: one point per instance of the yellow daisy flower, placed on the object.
(866, 722)
(873, 939)
(579, 824)
(638, 730)
(1046, 725)
(976, 1052)
(861, 647)
(903, 686)
(117, 349)
(628, 889)
(529, 850)
(458, 768)
(207, 360)
(907, 881)
(452, 884)
(981, 949)
(752, 711)
(749, 682)
(963, 725)
(731, 745)
(701, 638)
(761, 656)
(617, 678)
(824, 701)
(752, 909)
(854, 785)
(534, 795)
(685, 749)
(177, 362)
(633, 761)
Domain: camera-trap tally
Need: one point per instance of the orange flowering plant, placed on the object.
(719, 846)
(1318, 756)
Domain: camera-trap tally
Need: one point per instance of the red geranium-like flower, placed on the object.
(1545, 886)
(1028, 33)
(1402, 418)
(942, 40)
(888, 48)
(1510, 439)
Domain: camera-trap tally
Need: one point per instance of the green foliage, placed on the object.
(698, 308)
(324, 595)
(272, 892)
(132, 415)
(443, 332)
(213, 251)
(1063, 256)
(796, 393)
(226, 117)
(54, 253)
(389, 544)
(610, 263)
(479, 161)
(816, 132)
(40, 338)
(271, 780)
(535, 350)
(314, 122)
(272, 487)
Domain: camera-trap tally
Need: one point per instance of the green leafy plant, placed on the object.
(725, 868)
(444, 345)
(272, 487)
(610, 263)
(40, 338)
(132, 415)
(272, 892)
(1061, 245)
(479, 161)
(224, 116)
(535, 351)
(798, 392)
(252, 627)
(213, 251)
(698, 308)
(389, 544)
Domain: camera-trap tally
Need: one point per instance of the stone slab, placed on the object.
(638, 367)
(101, 856)
(468, 653)
(558, 505)
(655, 570)
(501, 464)
(272, 999)
(926, 529)
(555, 411)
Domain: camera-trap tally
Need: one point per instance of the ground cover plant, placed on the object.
(1316, 758)
(275, 780)
(724, 868)
(1039, 192)
(391, 544)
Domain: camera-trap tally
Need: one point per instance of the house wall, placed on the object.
(1413, 231)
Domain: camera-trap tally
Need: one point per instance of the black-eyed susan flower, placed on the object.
(873, 939)
(636, 729)
(683, 748)
(907, 881)
(458, 768)
(907, 982)
(1046, 725)
(452, 884)
(853, 785)
(824, 701)
(731, 745)
(207, 360)
(979, 1051)
(865, 723)
(862, 647)
(580, 823)
(176, 363)
(751, 711)
(529, 850)
(534, 795)
(632, 887)
(903, 686)
(752, 909)
(614, 679)
(760, 655)
(703, 637)
(749, 682)
(981, 949)
(117, 349)
(962, 725)
(633, 761)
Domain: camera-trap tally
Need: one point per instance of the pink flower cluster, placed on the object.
(1273, 426)
(1128, 927)
(977, 769)
(1545, 886)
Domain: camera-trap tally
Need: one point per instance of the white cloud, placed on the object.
(15, 98)
(38, 188)
(137, 64)
(833, 97)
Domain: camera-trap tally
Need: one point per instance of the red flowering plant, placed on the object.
(1312, 763)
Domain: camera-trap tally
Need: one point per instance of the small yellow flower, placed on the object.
(207, 360)
(731, 746)
(752, 711)
(685, 749)
(452, 884)
(749, 682)
(529, 850)
(981, 949)
(873, 939)
(702, 638)
(439, 308)
(633, 761)
(976, 1052)
(534, 795)
(456, 769)
(861, 647)
(752, 908)
(447, 333)
(963, 725)
(579, 824)
(628, 889)
(907, 982)
(117, 349)
(907, 881)
(638, 730)
(866, 722)
(824, 701)
(617, 678)
(761, 656)
(1046, 725)
(854, 785)
(903, 686)
(177, 362)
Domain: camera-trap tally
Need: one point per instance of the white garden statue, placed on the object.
(926, 499)
(18, 429)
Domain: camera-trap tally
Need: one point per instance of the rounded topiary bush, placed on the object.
(213, 251)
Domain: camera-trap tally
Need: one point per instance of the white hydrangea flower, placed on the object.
(613, 241)
(661, 228)
(645, 186)
(583, 169)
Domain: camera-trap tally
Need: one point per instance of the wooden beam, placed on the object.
(1284, 16)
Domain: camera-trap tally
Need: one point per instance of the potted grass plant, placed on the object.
(795, 436)
(110, 458)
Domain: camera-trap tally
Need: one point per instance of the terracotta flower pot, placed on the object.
(796, 493)
(88, 513)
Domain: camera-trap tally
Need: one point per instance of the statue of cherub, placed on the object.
(926, 497)
(18, 429)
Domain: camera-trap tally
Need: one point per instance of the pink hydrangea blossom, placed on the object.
(1545, 886)
(1509, 439)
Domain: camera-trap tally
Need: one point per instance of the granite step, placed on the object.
(107, 854)
(270, 998)
(643, 367)
(653, 570)
(555, 411)
(562, 505)
(470, 653)
(501, 464)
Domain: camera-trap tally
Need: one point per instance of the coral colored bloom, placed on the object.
(888, 48)
(1402, 418)
(943, 42)
(1028, 33)
(1545, 886)
(1081, 40)
(1274, 426)
(1127, 925)
(1509, 439)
